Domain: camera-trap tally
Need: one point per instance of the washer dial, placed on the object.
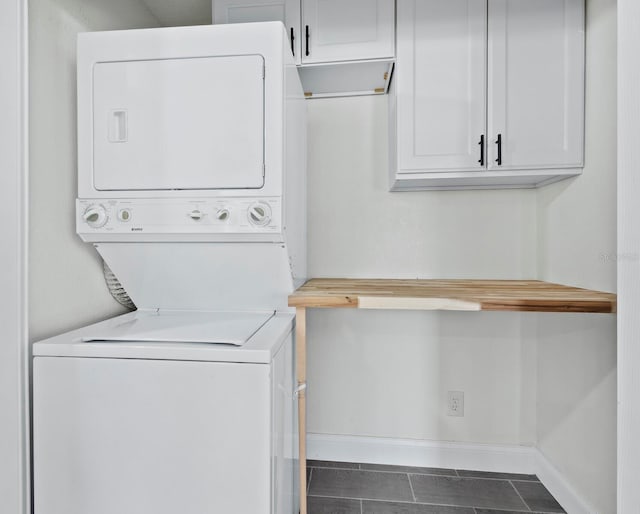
(259, 214)
(95, 216)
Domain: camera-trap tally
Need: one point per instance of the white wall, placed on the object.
(387, 373)
(13, 345)
(577, 245)
(577, 217)
(67, 288)
(629, 252)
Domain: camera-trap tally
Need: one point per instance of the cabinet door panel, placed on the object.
(536, 83)
(342, 30)
(243, 11)
(441, 84)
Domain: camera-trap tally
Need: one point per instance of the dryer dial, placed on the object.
(95, 216)
(223, 214)
(124, 215)
(259, 214)
(196, 215)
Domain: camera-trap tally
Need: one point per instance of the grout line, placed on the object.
(335, 467)
(454, 473)
(406, 473)
(496, 510)
(534, 479)
(334, 464)
(520, 496)
(416, 471)
(400, 472)
(493, 478)
(411, 486)
(361, 507)
(309, 481)
(405, 502)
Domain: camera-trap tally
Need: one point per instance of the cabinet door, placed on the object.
(347, 30)
(441, 84)
(244, 11)
(536, 83)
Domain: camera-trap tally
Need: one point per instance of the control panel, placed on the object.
(180, 216)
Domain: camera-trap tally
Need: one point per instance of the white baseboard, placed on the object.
(431, 454)
(436, 454)
(559, 487)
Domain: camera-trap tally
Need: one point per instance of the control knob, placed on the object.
(124, 215)
(259, 214)
(222, 214)
(196, 215)
(95, 216)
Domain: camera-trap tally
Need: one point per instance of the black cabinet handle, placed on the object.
(293, 51)
(306, 34)
(481, 143)
(499, 143)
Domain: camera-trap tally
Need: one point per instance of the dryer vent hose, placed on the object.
(116, 289)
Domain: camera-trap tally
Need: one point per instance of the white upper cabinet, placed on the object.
(487, 93)
(343, 47)
(441, 84)
(347, 30)
(536, 83)
(244, 11)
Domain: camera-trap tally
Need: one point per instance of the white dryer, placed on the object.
(191, 182)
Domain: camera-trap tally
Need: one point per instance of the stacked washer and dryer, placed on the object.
(191, 185)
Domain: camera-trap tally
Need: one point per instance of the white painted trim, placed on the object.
(14, 350)
(557, 485)
(628, 466)
(432, 454)
(437, 454)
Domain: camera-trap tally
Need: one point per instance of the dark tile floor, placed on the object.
(350, 488)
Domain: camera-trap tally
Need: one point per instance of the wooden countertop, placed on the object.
(457, 295)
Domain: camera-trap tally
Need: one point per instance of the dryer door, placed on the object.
(193, 124)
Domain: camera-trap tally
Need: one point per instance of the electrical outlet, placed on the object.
(455, 403)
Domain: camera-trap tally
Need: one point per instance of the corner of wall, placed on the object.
(66, 285)
(576, 354)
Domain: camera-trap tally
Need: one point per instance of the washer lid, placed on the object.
(234, 328)
(168, 344)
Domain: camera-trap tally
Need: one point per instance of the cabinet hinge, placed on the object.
(300, 390)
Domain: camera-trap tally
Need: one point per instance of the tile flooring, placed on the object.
(349, 488)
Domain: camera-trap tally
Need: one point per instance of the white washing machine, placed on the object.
(164, 413)
(192, 189)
